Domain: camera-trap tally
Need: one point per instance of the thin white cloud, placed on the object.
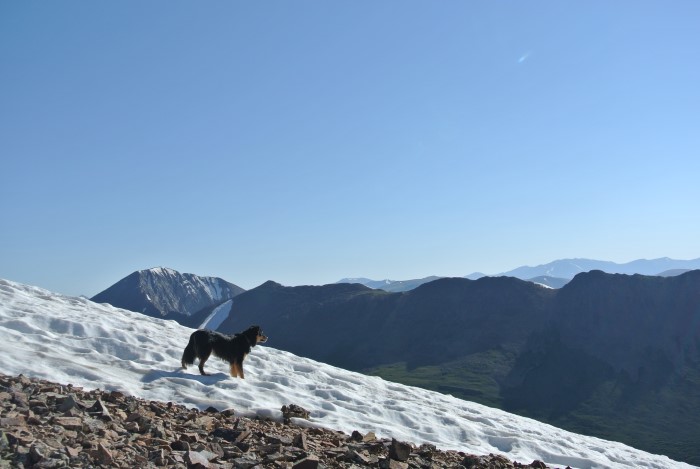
(524, 57)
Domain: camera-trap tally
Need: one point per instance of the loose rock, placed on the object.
(47, 425)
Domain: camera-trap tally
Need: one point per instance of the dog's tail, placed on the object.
(189, 353)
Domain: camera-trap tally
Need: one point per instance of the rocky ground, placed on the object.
(49, 425)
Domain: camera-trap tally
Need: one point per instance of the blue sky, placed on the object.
(308, 141)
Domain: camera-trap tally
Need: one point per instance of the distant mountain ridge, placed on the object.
(569, 268)
(390, 285)
(166, 293)
(554, 274)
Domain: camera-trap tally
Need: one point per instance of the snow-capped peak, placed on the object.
(163, 271)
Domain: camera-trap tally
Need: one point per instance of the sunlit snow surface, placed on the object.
(73, 340)
(214, 320)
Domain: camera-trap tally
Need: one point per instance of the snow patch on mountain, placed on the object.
(214, 320)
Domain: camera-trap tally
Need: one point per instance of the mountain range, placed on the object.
(390, 285)
(569, 268)
(611, 355)
(554, 274)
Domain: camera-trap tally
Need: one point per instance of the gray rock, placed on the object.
(399, 451)
(180, 445)
(309, 462)
(245, 462)
(196, 459)
(300, 441)
(104, 455)
(68, 403)
(294, 411)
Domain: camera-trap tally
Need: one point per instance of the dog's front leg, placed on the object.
(237, 369)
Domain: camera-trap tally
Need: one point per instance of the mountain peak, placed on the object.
(392, 286)
(166, 271)
(271, 284)
(165, 292)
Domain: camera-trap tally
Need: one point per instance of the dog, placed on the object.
(232, 349)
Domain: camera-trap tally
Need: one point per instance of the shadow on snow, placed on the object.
(154, 375)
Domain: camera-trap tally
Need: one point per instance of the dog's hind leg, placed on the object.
(202, 361)
(189, 353)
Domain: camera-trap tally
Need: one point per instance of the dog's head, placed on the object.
(255, 335)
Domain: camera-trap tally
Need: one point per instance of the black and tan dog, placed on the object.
(232, 349)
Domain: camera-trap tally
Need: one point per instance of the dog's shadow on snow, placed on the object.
(155, 375)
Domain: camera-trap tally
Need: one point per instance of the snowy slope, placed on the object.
(73, 340)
